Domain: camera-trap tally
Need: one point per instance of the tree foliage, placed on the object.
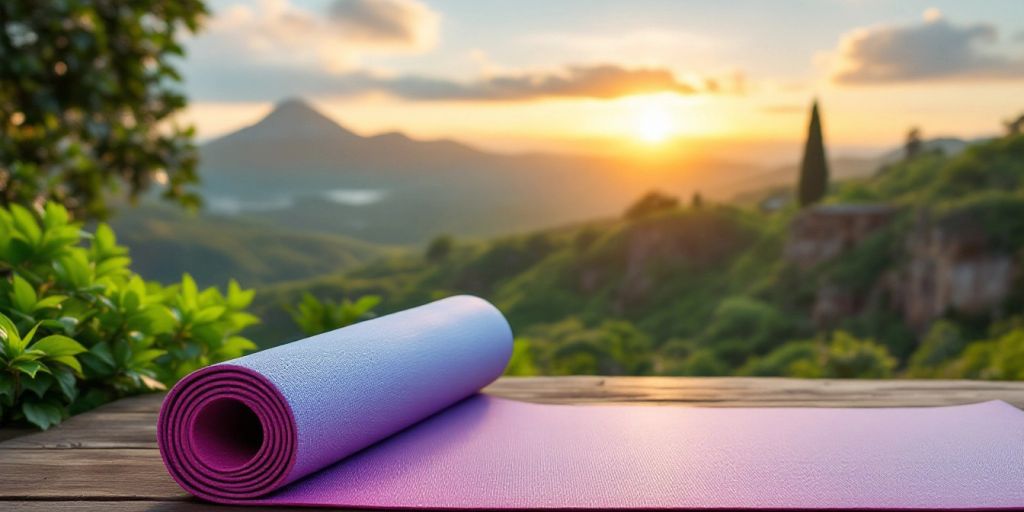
(651, 203)
(78, 328)
(813, 183)
(88, 94)
(439, 248)
(314, 316)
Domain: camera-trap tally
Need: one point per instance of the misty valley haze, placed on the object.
(300, 169)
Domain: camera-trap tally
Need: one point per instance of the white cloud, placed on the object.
(936, 49)
(276, 32)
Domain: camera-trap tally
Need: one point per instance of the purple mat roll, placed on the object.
(241, 429)
(384, 414)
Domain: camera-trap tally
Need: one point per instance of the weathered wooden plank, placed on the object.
(78, 474)
(759, 392)
(98, 429)
(131, 423)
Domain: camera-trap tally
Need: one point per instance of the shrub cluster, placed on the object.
(78, 328)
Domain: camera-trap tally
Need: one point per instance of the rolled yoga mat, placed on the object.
(386, 414)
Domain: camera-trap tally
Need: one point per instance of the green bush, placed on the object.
(314, 316)
(844, 357)
(1000, 358)
(942, 343)
(78, 328)
(569, 347)
(90, 102)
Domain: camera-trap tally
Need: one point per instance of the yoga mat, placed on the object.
(386, 414)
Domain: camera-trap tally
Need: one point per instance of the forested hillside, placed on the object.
(166, 242)
(914, 271)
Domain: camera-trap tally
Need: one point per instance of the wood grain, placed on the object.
(107, 459)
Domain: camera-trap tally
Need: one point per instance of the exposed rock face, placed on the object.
(944, 268)
(952, 269)
(824, 232)
(650, 251)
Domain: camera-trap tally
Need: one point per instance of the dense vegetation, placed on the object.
(88, 97)
(167, 241)
(704, 289)
(78, 328)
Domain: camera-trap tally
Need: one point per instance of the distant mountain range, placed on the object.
(299, 169)
(297, 195)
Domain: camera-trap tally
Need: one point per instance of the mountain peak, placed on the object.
(296, 117)
(295, 105)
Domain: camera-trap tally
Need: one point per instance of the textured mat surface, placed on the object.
(385, 414)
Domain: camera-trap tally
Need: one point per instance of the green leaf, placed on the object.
(53, 301)
(237, 297)
(31, 334)
(38, 385)
(102, 352)
(66, 380)
(104, 239)
(15, 345)
(30, 368)
(55, 215)
(189, 292)
(42, 414)
(233, 347)
(6, 385)
(112, 265)
(64, 323)
(58, 345)
(23, 295)
(25, 223)
(208, 314)
(20, 250)
(70, 362)
(70, 271)
(144, 357)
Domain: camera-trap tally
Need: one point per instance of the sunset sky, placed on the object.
(585, 75)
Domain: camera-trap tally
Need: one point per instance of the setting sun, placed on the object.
(653, 124)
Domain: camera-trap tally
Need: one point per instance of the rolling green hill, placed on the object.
(711, 289)
(166, 242)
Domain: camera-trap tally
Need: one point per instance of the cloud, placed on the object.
(936, 49)
(595, 81)
(278, 32)
(605, 81)
(404, 23)
(275, 48)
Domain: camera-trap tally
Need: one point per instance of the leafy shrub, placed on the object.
(849, 357)
(522, 364)
(439, 248)
(652, 203)
(787, 360)
(943, 342)
(745, 325)
(844, 357)
(89, 94)
(1001, 358)
(78, 328)
(314, 316)
(615, 347)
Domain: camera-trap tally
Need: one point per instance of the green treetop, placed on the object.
(814, 168)
(87, 97)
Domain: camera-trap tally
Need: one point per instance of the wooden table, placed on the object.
(107, 459)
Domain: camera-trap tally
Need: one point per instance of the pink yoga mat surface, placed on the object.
(386, 414)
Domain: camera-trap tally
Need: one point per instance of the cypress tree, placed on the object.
(814, 167)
